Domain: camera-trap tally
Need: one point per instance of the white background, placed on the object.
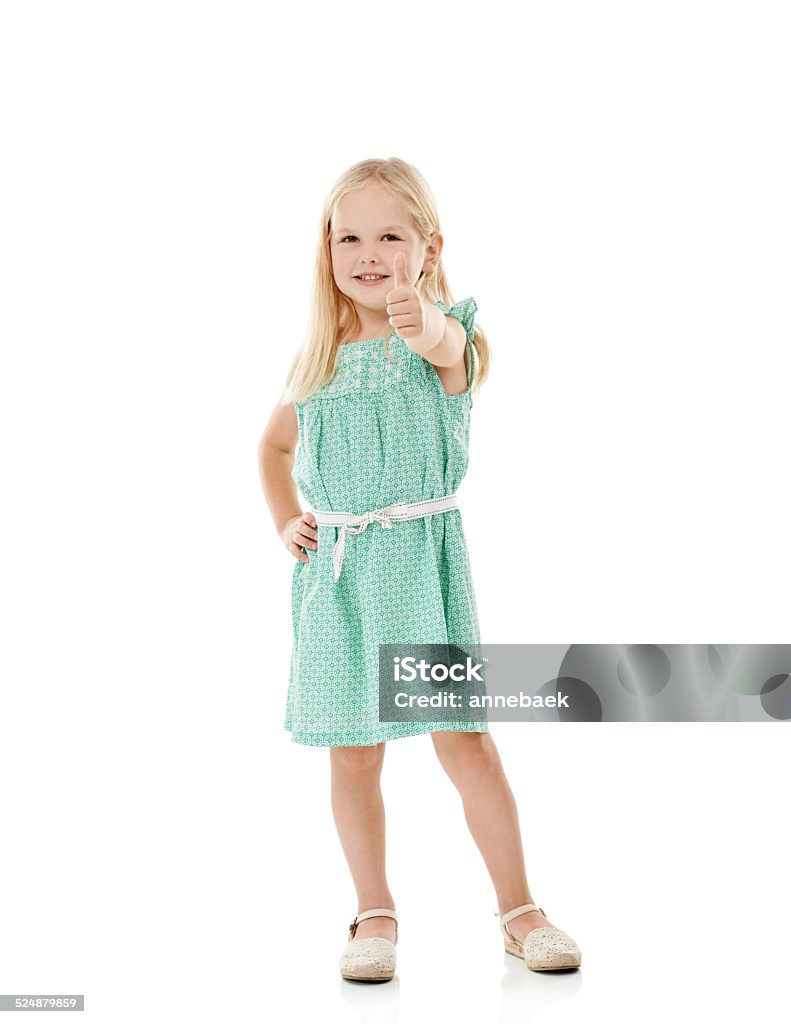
(612, 180)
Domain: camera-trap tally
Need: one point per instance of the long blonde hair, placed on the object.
(334, 318)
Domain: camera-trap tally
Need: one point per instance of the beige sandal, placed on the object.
(544, 949)
(371, 959)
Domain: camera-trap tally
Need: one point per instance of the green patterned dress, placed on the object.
(382, 431)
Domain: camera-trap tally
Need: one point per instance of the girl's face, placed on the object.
(368, 229)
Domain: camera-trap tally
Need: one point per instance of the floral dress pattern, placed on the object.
(382, 431)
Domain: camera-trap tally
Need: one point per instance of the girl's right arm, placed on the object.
(276, 450)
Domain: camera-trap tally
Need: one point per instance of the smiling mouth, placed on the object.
(370, 278)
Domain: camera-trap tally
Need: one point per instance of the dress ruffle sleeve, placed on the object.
(464, 311)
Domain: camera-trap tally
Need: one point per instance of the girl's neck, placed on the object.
(371, 331)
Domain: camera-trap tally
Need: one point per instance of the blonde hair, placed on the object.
(334, 318)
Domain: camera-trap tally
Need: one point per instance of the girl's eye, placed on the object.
(389, 234)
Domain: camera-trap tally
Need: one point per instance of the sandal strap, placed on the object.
(511, 914)
(376, 912)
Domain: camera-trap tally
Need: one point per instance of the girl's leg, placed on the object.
(359, 813)
(473, 765)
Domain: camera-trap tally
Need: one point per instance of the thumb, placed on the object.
(399, 270)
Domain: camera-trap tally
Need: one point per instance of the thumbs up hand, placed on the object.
(408, 313)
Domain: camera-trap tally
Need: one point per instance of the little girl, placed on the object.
(377, 406)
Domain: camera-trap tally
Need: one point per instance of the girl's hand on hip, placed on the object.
(301, 532)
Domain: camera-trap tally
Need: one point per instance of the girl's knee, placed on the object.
(362, 759)
(474, 751)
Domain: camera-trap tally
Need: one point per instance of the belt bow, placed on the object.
(359, 524)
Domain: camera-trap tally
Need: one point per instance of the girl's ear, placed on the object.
(433, 252)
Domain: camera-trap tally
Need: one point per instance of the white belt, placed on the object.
(384, 516)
